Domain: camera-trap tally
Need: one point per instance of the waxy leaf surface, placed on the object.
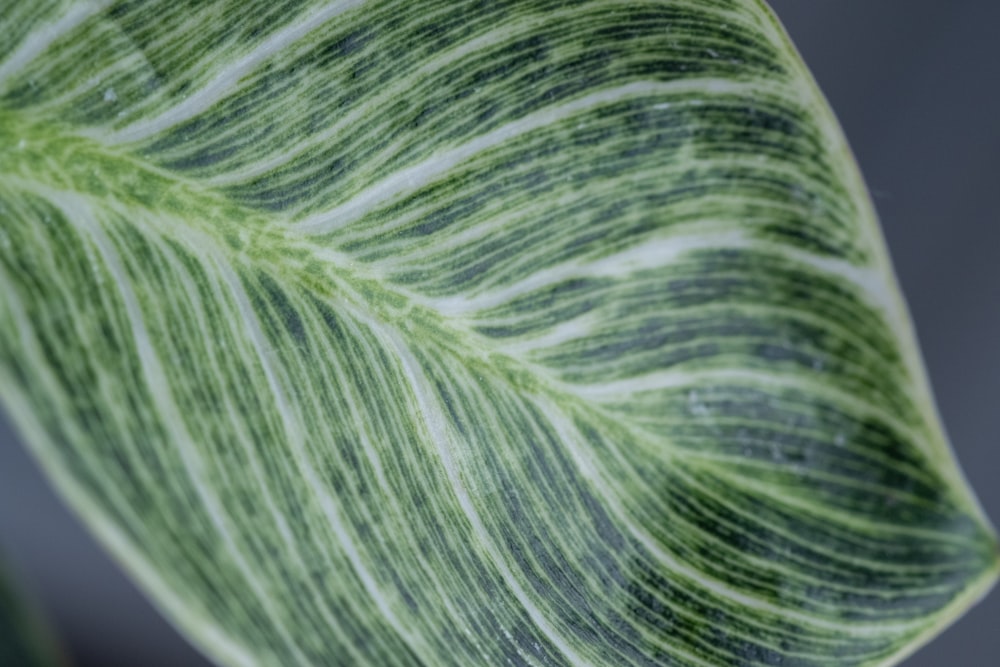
(470, 333)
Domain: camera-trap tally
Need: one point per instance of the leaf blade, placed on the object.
(455, 280)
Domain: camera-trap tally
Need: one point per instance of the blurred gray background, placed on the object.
(916, 86)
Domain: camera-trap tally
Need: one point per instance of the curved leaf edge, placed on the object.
(975, 593)
(902, 320)
(200, 631)
(205, 634)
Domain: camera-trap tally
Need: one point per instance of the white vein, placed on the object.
(870, 281)
(158, 386)
(712, 584)
(343, 379)
(524, 345)
(41, 39)
(652, 254)
(423, 173)
(236, 422)
(23, 413)
(440, 434)
(222, 83)
(109, 534)
(499, 35)
(296, 440)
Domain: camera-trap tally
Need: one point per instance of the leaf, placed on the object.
(24, 640)
(548, 333)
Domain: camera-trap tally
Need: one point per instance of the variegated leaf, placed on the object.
(470, 333)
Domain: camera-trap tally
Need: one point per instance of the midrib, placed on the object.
(217, 228)
(214, 226)
(51, 157)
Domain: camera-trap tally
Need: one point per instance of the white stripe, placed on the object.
(158, 385)
(218, 642)
(619, 390)
(220, 86)
(716, 586)
(649, 255)
(497, 35)
(869, 280)
(204, 629)
(244, 438)
(522, 346)
(36, 42)
(440, 434)
(296, 440)
(414, 177)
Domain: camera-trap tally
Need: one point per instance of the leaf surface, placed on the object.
(456, 333)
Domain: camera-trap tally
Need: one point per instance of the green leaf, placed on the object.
(470, 333)
(24, 640)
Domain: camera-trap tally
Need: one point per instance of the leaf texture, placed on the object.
(458, 333)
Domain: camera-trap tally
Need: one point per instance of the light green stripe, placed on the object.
(538, 333)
